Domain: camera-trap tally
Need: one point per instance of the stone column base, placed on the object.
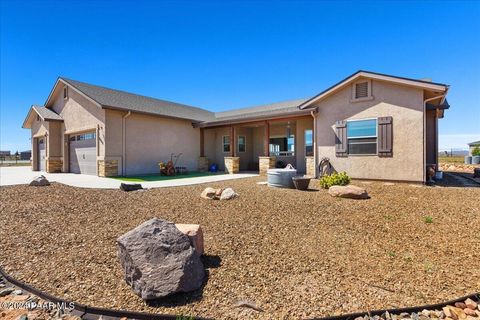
(107, 168)
(232, 164)
(54, 165)
(265, 163)
(310, 167)
(203, 164)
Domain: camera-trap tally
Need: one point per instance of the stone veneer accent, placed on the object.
(54, 165)
(310, 166)
(107, 168)
(232, 164)
(202, 164)
(265, 163)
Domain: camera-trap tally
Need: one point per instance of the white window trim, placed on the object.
(238, 143)
(65, 92)
(223, 144)
(369, 97)
(364, 137)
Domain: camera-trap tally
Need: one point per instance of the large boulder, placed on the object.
(228, 194)
(158, 260)
(350, 191)
(209, 193)
(40, 182)
(195, 234)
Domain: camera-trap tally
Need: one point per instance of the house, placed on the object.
(371, 125)
(472, 146)
(4, 154)
(26, 155)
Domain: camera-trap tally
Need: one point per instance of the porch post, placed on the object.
(202, 142)
(266, 140)
(232, 141)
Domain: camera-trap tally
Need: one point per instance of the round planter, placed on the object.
(281, 178)
(468, 160)
(476, 160)
(301, 183)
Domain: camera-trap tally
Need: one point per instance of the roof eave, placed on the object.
(150, 114)
(220, 123)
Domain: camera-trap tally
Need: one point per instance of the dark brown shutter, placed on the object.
(341, 138)
(385, 137)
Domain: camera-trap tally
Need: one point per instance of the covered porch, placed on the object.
(259, 145)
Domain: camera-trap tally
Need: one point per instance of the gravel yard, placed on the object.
(293, 254)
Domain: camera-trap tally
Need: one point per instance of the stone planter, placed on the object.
(301, 183)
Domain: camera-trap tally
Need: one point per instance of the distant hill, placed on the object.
(453, 152)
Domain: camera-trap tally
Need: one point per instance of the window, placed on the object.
(84, 136)
(226, 143)
(308, 143)
(282, 146)
(241, 144)
(362, 137)
(65, 93)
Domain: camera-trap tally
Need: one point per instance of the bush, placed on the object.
(476, 151)
(335, 179)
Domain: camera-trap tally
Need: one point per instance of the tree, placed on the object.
(476, 151)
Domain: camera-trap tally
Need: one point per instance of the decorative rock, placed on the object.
(209, 193)
(130, 187)
(40, 182)
(218, 193)
(460, 305)
(228, 194)
(470, 312)
(159, 260)
(469, 303)
(17, 292)
(350, 191)
(195, 234)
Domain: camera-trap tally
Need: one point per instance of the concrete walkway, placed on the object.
(23, 175)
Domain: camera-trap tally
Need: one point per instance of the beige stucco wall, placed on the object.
(404, 104)
(149, 140)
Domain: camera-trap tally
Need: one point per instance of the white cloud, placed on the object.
(456, 141)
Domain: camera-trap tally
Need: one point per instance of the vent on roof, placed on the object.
(361, 90)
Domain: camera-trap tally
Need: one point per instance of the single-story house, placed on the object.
(26, 155)
(371, 125)
(473, 145)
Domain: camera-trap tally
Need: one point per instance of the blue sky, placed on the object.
(221, 55)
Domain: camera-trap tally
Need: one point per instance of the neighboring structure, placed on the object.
(4, 154)
(473, 145)
(371, 125)
(26, 155)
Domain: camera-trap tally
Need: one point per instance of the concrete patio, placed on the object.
(23, 175)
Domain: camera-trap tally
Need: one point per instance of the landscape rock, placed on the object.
(469, 303)
(209, 193)
(130, 187)
(350, 191)
(40, 182)
(6, 291)
(228, 194)
(159, 260)
(195, 234)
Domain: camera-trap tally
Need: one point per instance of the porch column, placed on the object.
(232, 141)
(266, 162)
(232, 163)
(202, 160)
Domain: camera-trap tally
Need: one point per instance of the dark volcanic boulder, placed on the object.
(159, 260)
(40, 182)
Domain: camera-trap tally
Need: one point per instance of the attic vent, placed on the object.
(361, 90)
(65, 93)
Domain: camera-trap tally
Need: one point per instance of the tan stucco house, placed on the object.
(371, 125)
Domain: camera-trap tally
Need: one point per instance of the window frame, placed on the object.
(244, 143)
(223, 143)
(363, 137)
(65, 92)
(307, 154)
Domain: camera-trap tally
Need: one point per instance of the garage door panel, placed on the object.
(83, 156)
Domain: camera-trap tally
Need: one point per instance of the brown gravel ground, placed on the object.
(294, 254)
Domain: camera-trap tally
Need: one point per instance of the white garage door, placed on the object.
(41, 154)
(83, 153)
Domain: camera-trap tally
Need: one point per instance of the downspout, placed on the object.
(315, 151)
(97, 139)
(425, 130)
(124, 139)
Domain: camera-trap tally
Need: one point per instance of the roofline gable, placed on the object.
(65, 82)
(376, 76)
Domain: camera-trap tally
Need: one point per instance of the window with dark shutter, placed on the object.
(362, 137)
(341, 138)
(361, 90)
(385, 137)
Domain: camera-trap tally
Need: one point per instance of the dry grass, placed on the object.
(295, 254)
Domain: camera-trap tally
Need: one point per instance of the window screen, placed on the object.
(362, 137)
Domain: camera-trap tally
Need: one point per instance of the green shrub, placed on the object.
(476, 151)
(428, 219)
(335, 179)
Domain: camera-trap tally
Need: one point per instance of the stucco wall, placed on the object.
(404, 104)
(151, 139)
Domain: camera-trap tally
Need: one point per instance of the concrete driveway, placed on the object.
(23, 175)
